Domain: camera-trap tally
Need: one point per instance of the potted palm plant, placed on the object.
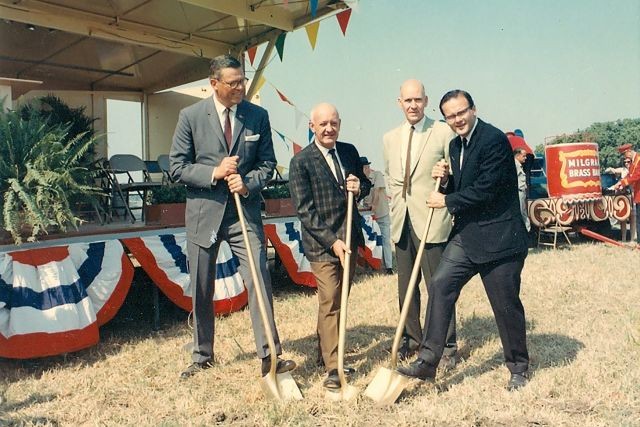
(41, 173)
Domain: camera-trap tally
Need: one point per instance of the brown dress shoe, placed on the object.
(332, 382)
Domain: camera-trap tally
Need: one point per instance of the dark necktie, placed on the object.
(406, 183)
(465, 145)
(336, 166)
(227, 128)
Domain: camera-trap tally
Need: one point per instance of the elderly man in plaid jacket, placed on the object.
(320, 175)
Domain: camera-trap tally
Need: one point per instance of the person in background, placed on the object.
(221, 146)
(488, 238)
(520, 156)
(319, 178)
(379, 204)
(410, 151)
(633, 180)
(621, 173)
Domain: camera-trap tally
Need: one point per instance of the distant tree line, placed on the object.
(608, 135)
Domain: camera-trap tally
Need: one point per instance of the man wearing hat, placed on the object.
(379, 204)
(632, 179)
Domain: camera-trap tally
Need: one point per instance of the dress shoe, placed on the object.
(332, 382)
(420, 369)
(282, 366)
(194, 368)
(517, 381)
(448, 363)
(388, 271)
(405, 352)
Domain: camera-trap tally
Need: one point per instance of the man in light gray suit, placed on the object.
(222, 145)
(410, 152)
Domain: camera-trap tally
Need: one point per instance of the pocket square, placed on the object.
(252, 137)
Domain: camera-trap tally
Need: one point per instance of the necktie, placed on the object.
(465, 146)
(227, 128)
(336, 166)
(406, 183)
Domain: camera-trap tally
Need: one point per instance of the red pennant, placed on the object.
(252, 53)
(296, 148)
(284, 98)
(343, 20)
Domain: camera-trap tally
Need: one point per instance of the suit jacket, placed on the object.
(321, 204)
(432, 146)
(484, 196)
(199, 146)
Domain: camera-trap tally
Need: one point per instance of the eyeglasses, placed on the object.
(236, 84)
(461, 113)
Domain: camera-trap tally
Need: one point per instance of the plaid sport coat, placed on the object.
(321, 204)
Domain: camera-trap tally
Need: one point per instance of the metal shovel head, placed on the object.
(348, 392)
(280, 387)
(386, 386)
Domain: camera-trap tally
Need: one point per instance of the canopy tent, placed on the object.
(136, 45)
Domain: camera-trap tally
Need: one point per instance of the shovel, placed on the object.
(346, 392)
(388, 383)
(275, 386)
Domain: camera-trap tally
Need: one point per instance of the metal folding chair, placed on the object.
(163, 163)
(126, 166)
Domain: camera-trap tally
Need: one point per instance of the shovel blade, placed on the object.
(386, 386)
(281, 387)
(348, 392)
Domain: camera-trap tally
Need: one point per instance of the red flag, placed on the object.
(252, 53)
(296, 148)
(284, 98)
(343, 20)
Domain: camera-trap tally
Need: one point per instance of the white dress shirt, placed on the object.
(329, 159)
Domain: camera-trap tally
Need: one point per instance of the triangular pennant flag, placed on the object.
(252, 53)
(283, 138)
(314, 7)
(298, 117)
(260, 83)
(284, 98)
(312, 33)
(310, 135)
(296, 148)
(343, 20)
(280, 44)
(280, 169)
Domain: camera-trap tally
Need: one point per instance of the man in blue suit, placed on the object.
(222, 145)
(488, 238)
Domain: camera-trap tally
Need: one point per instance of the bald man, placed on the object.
(410, 152)
(320, 176)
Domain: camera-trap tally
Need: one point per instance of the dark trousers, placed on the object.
(406, 251)
(501, 280)
(202, 268)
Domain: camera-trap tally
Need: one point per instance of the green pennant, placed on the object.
(280, 44)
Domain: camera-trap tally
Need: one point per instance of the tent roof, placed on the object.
(135, 45)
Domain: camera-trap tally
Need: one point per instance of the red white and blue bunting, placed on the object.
(164, 259)
(287, 241)
(52, 300)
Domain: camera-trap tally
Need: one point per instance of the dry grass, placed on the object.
(583, 310)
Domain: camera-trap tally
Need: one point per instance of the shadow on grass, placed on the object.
(7, 407)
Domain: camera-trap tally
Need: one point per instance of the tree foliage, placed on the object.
(39, 166)
(609, 136)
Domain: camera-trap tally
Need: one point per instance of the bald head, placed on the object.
(412, 100)
(325, 124)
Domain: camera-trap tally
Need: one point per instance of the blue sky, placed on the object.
(545, 67)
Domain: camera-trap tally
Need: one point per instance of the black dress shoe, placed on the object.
(332, 382)
(420, 369)
(194, 368)
(282, 366)
(388, 271)
(517, 381)
(405, 352)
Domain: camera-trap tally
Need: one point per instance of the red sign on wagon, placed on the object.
(573, 171)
